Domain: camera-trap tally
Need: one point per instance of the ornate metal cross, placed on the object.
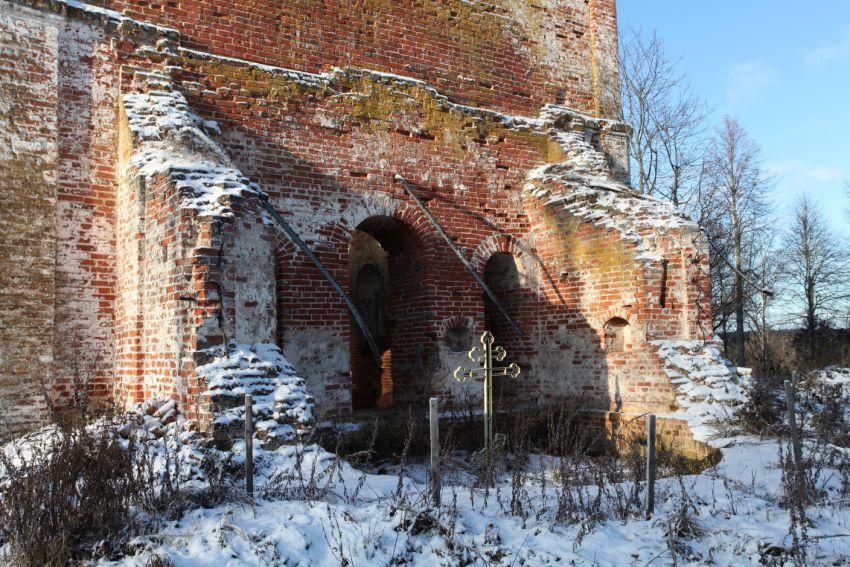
(485, 357)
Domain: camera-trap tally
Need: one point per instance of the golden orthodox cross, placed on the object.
(485, 356)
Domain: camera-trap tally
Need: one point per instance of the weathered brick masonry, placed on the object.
(140, 141)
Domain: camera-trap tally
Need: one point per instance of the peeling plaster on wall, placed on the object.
(321, 357)
(249, 268)
(88, 87)
(29, 154)
(443, 381)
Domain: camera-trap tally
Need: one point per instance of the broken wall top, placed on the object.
(509, 55)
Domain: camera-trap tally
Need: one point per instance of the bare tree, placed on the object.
(766, 273)
(815, 270)
(666, 119)
(713, 222)
(735, 191)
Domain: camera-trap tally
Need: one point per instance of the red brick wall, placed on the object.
(29, 148)
(512, 56)
(148, 285)
(328, 156)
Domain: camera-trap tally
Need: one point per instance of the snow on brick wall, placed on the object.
(172, 255)
(200, 255)
(282, 406)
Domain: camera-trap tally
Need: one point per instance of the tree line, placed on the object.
(771, 275)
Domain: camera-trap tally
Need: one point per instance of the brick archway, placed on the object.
(396, 307)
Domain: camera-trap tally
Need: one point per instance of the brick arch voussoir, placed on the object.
(613, 312)
(500, 243)
(450, 322)
(616, 312)
(368, 206)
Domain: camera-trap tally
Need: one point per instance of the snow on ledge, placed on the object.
(582, 184)
(98, 13)
(169, 138)
(708, 388)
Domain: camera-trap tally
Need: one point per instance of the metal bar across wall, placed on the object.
(442, 232)
(293, 236)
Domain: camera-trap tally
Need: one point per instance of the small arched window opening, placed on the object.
(616, 330)
(457, 339)
(502, 274)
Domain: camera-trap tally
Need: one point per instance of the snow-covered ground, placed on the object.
(313, 508)
(355, 518)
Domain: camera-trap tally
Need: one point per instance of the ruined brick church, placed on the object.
(365, 185)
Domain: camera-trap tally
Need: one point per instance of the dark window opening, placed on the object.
(458, 339)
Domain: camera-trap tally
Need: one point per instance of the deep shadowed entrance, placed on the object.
(388, 287)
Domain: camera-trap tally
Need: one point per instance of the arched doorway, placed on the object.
(388, 287)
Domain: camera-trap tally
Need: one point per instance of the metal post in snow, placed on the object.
(650, 465)
(488, 396)
(795, 439)
(435, 450)
(249, 445)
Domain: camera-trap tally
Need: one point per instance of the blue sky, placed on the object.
(781, 68)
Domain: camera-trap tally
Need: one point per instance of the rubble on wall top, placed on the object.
(709, 390)
(317, 80)
(583, 186)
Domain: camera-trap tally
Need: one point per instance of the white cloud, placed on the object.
(748, 80)
(800, 174)
(829, 53)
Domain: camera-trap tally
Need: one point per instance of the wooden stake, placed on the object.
(435, 450)
(650, 465)
(249, 445)
(795, 439)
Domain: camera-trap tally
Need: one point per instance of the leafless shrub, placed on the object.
(762, 414)
(159, 560)
(67, 491)
(76, 490)
(317, 483)
(682, 527)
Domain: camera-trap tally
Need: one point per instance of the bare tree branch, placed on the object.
(734, 211)
(666, 117)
